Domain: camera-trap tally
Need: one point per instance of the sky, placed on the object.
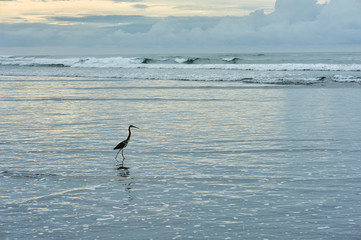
(187, 26)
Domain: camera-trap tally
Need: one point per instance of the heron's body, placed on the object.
(124, 144)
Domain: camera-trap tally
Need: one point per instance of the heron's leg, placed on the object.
(123, 158)
(117, 154)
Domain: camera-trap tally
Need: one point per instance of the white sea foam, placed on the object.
(346, 78)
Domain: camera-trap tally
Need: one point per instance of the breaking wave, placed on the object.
(227, 63)
(252, 68)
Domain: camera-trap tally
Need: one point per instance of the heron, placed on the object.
(123, 144)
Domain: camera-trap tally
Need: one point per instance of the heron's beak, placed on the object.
(136, 127)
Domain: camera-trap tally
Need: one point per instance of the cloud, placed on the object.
(127, 0)
(109, 19)
(293, 25)
(140, 6)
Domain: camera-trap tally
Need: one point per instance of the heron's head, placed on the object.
(132, 126)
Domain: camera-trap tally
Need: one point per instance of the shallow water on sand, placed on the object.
(211, 160)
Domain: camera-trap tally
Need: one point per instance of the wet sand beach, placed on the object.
(210, 160)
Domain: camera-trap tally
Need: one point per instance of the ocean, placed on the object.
(229, 146)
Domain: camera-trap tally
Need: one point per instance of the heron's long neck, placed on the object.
(129, 134)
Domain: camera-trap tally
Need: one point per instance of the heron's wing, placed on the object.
(121, 145)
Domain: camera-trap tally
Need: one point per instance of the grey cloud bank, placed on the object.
(293, 26)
